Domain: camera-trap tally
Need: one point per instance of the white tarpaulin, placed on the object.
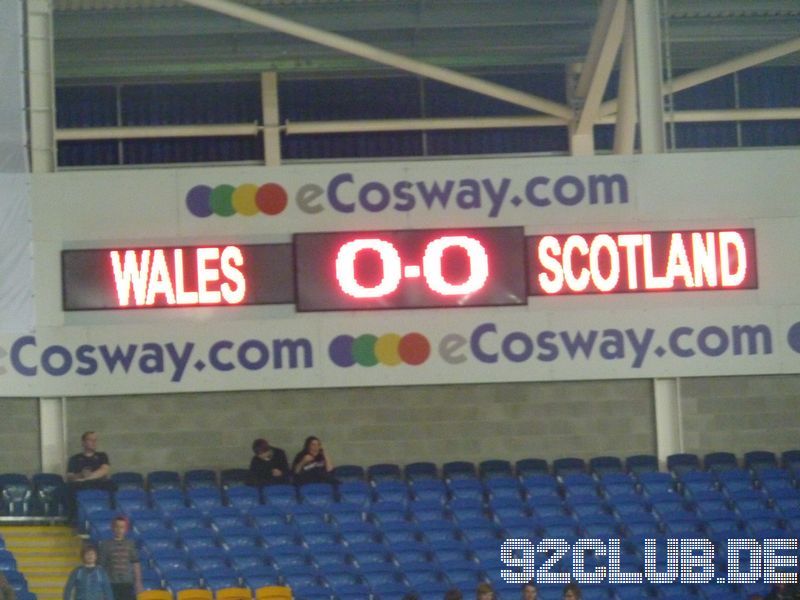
(13, 157)
(16, 262)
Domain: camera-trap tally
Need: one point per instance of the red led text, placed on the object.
(642, 262)
(179, 277)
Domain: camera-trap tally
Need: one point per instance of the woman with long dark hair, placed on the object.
(312, 464)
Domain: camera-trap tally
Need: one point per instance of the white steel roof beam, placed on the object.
(391, 59)
(720, 70)
(627, 115)
(595, 80)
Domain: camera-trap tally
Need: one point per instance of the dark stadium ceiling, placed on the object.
(134, 40)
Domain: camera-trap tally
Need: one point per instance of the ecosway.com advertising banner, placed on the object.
(437, 272)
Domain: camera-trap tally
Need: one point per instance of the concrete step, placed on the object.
(33, 530)
(45, 561)
(45, 555)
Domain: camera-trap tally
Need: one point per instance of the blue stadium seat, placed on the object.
(355, 492)
(158, 539)
(391, 491)
(198, 538)
(601, 466)
(539, 486)
(16, 494)
(163, 479)
(245, 558)
(147, 519)
(343, 473)
(128, 480)
(200, 478)
(495, 467)
(384, 472)
(169, 559)
(657, 482)
(359, 533)
(382, 513)
(49, 494)
(224, 517)
(790, 459)
(7, 561)
(419, 471)
(467, 508)
(720, 461)
(459, 469)
(526, 467)
(242, 497)
(186, 518)
(568, 466)
(206, 559)
(317, 494)
(341, 513)
(466, 488)
(204, 498)
(683, 462)
(128, 500)
(168, 500)
(756, 459)
(400, 532)
(92, 501)
(289, 556)
(282, 495)
(641, 463)
(429, 489)
(233, 478)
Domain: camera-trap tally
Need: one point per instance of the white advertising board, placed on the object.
(638, 334)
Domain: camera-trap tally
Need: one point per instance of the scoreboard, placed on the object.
(412, 268)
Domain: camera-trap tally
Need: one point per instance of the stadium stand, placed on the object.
(390, 530)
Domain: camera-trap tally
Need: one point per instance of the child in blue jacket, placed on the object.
(88, 581)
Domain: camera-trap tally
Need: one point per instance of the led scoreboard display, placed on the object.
(601, 263)
(410, 269)
(420, 268)
(161, 277)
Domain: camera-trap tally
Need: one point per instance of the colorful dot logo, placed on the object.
(246, 200)
(389, 349)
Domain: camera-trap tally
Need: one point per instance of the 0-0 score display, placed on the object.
(410, 269)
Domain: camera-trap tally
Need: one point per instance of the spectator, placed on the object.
(529, 592)
(571, 592)
(88, 469)
(453, 594)
(312, 464)
(485, 592)
(120, 560)
(269, 465)
(88, 581)
(6, 591)
(89, 465)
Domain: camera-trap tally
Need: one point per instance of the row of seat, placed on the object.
(42, 494)
(318, 528)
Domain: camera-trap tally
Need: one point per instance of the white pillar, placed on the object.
(579, 144)
(41, 86)
(669, 433)
(271, 119)
(649, 75)
(52, 435)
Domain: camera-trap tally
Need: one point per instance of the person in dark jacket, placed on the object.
(88, 581)
(269, 465)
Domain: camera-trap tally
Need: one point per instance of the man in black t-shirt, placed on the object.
(89, 469)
